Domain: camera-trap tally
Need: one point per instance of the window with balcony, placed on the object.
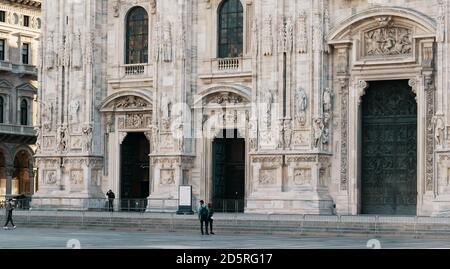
(25, 53)
(2, 49)
(2, 105)
(26, 21)
(24, 112)
(137, 36)
(2, 16)
(231, 29)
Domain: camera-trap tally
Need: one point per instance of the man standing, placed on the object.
(111, 197)
(203, 216)
(9, 209)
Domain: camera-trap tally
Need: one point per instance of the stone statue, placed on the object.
(166, 43)
(318, 132)
(87, 137)
(74, 108)
(327, 100)
(439, 131)
(302, 104)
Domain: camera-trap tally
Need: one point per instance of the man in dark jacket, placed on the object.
(9, 209)
(111, 197)
(210, 218)
(203, 216)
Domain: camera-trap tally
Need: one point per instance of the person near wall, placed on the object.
(9, 209)
(203, 213)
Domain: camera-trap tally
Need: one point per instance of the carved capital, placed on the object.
(122, 136)
(360, 88)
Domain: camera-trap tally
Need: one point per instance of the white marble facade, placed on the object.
(294, 94)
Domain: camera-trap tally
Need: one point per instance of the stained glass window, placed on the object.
(137, 36)
(231, 29)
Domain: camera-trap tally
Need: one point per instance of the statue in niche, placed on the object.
(318, 129)
(87, 137)
(439, 131)
(302, 105)
(74, 108)
(166, 43)
(327, 100)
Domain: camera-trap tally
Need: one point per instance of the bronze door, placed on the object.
(389, 149)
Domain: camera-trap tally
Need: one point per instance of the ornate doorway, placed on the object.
(389, 149)
(134, 177)
(228, 172)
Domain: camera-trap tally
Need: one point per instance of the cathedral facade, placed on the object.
(270, 106)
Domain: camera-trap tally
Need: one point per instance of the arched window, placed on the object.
(231, 29)
(137, 36)
(24, 112)
(2, 104)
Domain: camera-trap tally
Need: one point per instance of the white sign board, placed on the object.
(185, 196)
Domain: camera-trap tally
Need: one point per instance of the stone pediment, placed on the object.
(125, 101)
(27, 87)
(4, 84)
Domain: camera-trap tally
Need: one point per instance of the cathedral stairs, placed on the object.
(290, 225)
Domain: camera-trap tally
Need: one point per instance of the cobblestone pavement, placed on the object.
(94, 239)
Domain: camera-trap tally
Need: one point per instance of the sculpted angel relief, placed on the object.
(388, 41)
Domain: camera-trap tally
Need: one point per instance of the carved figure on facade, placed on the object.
(130, 101)
(51, 178)
(47, 116)
(287, 133)
(116, 7)
(165, 50)
(267, 44)
(255, 36)
(153, 6)
(388, 41)
(167, 177)
(74, 108)
(253, 134)
(301, 100)
(439, 131)
(318, 129)
(327, 102)
(63, 138)
(87, 137)
(285, 35)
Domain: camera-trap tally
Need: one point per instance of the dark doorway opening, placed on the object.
(389, 149)
(228, 172)
(134, 184)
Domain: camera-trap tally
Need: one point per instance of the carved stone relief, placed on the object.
(50, 177)
(302, 176)
(76, 177)
(388, 41)
(267, 176)
(167, 176)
